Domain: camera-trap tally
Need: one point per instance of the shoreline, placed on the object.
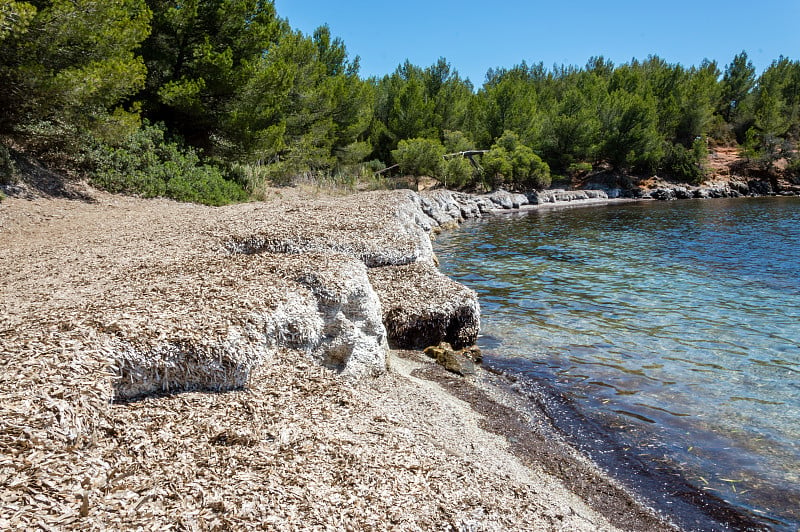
(663, 486)
(109, 278)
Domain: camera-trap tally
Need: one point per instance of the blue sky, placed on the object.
(476, 35)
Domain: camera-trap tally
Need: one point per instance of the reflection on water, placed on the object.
(677, 322)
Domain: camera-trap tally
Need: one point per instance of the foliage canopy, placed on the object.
(230, 82)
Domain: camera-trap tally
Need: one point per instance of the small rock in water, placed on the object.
(438, 351)
(474, 354)
(461, 362)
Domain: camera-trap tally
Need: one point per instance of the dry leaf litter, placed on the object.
(109, 308)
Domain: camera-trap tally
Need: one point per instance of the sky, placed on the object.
(477, 35)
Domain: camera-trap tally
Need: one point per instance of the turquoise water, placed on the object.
(675, 324)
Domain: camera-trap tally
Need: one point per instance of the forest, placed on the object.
(212, 100)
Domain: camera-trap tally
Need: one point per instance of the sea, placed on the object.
(674, 326)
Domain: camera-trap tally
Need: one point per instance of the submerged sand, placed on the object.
(297, 447)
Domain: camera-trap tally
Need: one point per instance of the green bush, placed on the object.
(529, 169)
(420, 157)
(793, 169)
(510, 160)
(685, 164)
(457, 172)
(8, 170)
(148, 165)
(579, 169)
(207, 188)
(497, 165)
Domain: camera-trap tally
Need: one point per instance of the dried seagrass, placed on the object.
(122, 298)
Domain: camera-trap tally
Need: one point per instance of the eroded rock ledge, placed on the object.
(175, 297)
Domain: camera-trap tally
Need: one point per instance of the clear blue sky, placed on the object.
(477, 35)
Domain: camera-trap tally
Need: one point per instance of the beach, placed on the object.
(173, 366)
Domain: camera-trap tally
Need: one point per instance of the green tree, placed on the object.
(510, 102)
(69, 62)
(698, 93)
(780, 80)
(417, 103)
(450, 95)
(352, 100)
(572, 129)
(199, 55)
(766, 141)
(302, 108)
(412, 113)
(420, 157)
(737, 82)
(15, 17)
(510, 161)
(629, 132)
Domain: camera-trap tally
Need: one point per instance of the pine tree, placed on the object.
(199, 55)
(68, 63)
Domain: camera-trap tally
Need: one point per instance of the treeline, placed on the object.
(203, 100)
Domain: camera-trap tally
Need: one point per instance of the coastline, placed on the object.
(111, 344)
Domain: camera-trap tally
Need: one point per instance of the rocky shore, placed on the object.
(123, 320)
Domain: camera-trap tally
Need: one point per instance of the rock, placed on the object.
(453, 361)
(446, 209)
(717, 192)
(474, 353)
(502, 199)
(441, 209)
(564, 196)
(518, 200)
(739, 186)
(423, 307)
(663, 194)
(507, 200)
(759, 188)
(437, 351)
(234, 314)
(352, 340)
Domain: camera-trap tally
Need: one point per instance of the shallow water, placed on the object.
(675, 324)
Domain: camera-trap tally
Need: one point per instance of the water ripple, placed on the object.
(682, 318)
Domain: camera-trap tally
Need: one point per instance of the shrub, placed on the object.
(207, 187)
(148, 165)
(457, 172)
(579, 169)
(420, 157)
(497, 165)
(8, 170)
(686, 164)
(529, 169)
(765, 149)
(793, 168)
(514, 161)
